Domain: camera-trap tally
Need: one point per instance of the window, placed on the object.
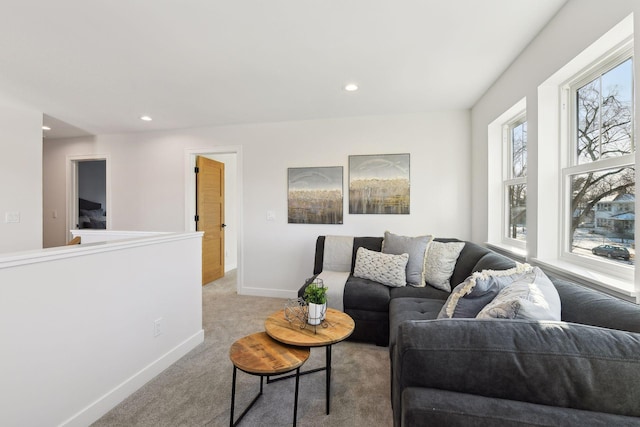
(599, 176)
(515, 182)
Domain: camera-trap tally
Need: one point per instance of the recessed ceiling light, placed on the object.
(146, 118)
(351, 87)
(46, 128)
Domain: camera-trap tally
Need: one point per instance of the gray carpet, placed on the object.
(196, 390)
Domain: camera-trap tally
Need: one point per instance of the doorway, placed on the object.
(92, 194)
(231, 157)
(88, 193)
(210, 195)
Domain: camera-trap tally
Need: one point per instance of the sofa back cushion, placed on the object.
(476, 258)
(591, 307)
(371, 243)
(472, 258)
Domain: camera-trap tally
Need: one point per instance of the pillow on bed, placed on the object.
(96, 213)
(388, 269)
(416, 247)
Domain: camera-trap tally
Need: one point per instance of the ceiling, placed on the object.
(97, 66)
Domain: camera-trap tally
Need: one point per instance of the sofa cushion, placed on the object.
(591, 307)
(364, 294)
(494, 261)
(388, 269)
(416, 247)
(440, 263)
(371, 243)
(403, 309)
(469, 257)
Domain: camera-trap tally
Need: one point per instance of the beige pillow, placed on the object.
(439, 263)
(388, 269)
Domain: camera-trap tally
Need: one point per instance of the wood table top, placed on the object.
(260, 354)
(340, 326)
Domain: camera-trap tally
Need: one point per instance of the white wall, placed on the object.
(148, 183)
(77, 324)
(579, 24)
(20, 177)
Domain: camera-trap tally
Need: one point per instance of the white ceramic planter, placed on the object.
(316, 313)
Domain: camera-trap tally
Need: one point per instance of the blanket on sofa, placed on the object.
(334, 281)
(336, 267)
(338, 252)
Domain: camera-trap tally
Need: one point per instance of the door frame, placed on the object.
(72, 188)
(190, 198)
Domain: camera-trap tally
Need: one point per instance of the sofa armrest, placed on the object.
(550, 363)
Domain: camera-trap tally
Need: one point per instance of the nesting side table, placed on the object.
(259, 354)
(339, 327)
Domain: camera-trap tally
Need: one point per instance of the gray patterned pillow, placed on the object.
(532, 297)
(439, 263)
(472, 295)
(390, 270)
(416, 247)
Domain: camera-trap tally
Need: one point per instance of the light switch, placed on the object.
(12, 217)
(271, 215)
(54, 214)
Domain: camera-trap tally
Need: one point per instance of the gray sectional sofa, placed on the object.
(582, 370)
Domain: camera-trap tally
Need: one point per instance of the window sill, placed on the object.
(611, 285)
(514, 252)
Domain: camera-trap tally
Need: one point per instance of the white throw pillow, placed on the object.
(388, 269)
(440, 262)
(416, 247)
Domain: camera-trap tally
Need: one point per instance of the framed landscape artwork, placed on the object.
(315, 195)
(379, 184)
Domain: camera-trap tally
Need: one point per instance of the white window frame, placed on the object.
(508, 179)
(570, 166)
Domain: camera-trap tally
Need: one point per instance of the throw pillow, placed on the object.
(388, 269)
(439, 263)
(416, 247)
(478, 290)
(533, 297)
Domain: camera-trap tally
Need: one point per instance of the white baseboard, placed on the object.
(272, 293)
(110, 399)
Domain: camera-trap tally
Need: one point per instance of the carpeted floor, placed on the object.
(196, 390)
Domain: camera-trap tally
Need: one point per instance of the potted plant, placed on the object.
(316, 297)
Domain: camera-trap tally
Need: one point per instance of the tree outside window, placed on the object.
(515, 184)
(602, 177)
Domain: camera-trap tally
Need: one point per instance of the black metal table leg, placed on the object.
(295, 403)
(328, 387)
(233, 395)
(233, 398)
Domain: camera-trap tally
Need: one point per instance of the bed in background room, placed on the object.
(91, 215)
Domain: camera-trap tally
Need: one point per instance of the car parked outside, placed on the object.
(611, 251)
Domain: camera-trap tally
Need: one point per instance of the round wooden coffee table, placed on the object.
(258, 354)
(339, 327)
